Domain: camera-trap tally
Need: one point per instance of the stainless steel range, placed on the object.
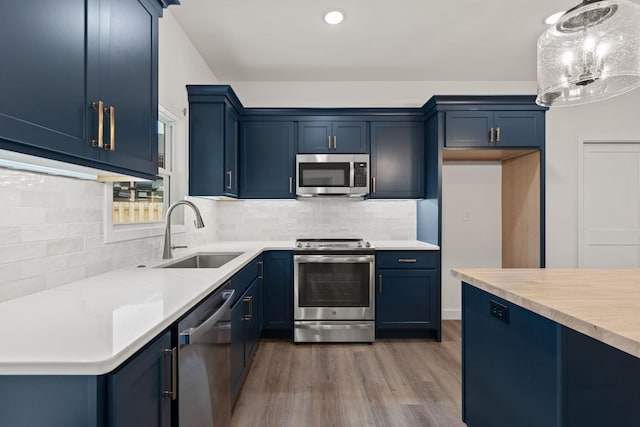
(333, 293)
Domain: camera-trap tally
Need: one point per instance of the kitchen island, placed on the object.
(550, 347)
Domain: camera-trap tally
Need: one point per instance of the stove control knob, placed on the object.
(308, 245)
(367, 244)
(299, 244)
(359, 244)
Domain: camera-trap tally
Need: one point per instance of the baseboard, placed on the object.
(451, 314)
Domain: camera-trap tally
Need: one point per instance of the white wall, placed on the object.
(471, 224)
(51, 228)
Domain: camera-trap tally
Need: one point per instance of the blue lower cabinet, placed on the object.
(408, 294)
(510, 370)
(135, 391)
(245, 333)
(278, 294)
(267, 160)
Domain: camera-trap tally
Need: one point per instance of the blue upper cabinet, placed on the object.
(42, 77)
(128, 84)
(332, 137)
(73, 65)
(397, 160)
(213, 141)
(267, 160)
(480, 129)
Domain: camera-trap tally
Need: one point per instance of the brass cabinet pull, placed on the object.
(497, 134)
(407, 260)
(335, 145)
(379, 283)
(290, 184)
(329, 142)
(229, 174)
(491, 135)
(249, 300)
(373, 180)
(111, 111)
(173, 353)
(100, 107)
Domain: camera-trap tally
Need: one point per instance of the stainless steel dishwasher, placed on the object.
(203, 354)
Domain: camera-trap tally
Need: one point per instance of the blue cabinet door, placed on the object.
(315, 137)
(42, 78)
(278, 292)
(267, 160)
(231, 152)
(510, 366)
(135, 390)
(397, 160)
(519, 128)
(206, 149)
(128, 83)
(405, 299)
(468, 128)
(237, 361)
(332, 137)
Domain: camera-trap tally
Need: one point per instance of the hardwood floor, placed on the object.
(400, 383)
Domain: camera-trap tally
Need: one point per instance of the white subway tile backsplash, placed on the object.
(21, 216)
(33, 233)
(17, 288)
(64, 215)
(22, 251)
(57, 278)
(9, 234)
(64, 246)
(10, 271)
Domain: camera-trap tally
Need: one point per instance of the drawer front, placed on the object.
(408, 259)
(242, 279)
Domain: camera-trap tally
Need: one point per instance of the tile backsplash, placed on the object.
(52, 228)
(51, 233)
(290, 219)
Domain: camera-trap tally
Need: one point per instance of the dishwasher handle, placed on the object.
(192, 334)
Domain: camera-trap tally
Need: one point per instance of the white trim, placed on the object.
(122, 232)
(451, 314)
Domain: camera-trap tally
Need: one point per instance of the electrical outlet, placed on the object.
(499, 311)
(466, 216)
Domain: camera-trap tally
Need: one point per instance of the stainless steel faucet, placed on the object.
(167, 231)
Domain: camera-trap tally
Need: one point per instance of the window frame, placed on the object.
(175, 158)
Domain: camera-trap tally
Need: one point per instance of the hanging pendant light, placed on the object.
(591, 53)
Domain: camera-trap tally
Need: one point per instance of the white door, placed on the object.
(609, 206)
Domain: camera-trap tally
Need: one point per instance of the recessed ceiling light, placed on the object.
(552, 19)
(334, 17)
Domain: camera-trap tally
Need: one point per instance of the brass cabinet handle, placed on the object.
(491, 135)
(379, 283)
(335, 145)
(406, 260)
(100, 107)
(329, 142)
(249, 300)
(290, 184)
(173, 353)
(373, 180)
(229, 174)
(497, 134)
(111, 111)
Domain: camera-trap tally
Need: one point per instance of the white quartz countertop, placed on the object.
(92, 326)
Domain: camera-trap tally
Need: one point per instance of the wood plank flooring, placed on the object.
(402, 383)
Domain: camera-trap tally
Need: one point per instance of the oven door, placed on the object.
(333, 287)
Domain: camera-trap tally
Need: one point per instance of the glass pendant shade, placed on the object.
(591, 53)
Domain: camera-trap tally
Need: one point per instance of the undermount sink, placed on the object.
(204, 260)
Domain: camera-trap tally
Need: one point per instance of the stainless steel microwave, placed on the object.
(332, 175)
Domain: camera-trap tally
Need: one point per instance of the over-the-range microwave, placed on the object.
(332, 175)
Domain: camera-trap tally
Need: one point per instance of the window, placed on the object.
(137, 208)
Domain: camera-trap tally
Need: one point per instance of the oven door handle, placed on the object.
(334, 258)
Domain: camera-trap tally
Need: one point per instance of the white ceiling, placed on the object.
(379, 40)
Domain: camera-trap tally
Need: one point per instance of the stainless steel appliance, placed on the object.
(203, 354)
(333, 290)
(332, 175)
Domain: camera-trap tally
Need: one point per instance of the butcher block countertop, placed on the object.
(602, 304)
